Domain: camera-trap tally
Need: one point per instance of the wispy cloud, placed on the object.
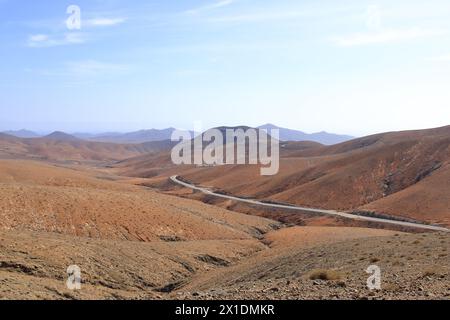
(38, 38)
(103, 22)
(57, 34)
(94, 68)
(83, 69)
(386, 36)
(282, 14)
(444, 58)
(262, 16)
(216, 5)
(45, 40)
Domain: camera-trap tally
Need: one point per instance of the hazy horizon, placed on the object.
(353, 67)
(136, 129)
(94, 132)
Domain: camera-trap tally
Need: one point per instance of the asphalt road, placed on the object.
(319, 211)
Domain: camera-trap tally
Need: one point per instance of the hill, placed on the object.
(23, 134)
(319, 137)
(414, 267)
(132, 242)
(60, 146)
(395, 173)
(61, 136)
(140, 136)
(38, 197)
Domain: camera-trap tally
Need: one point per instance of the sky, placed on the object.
(349, 66)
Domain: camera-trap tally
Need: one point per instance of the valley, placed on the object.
(140, 227)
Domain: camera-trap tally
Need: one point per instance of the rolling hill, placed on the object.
(60, 146)
(135, 242)
(39, 197)
(319, 137)
(23, 134)
(392, 173)
(140, 136)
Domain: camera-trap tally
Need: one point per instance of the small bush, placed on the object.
(431, 272)
(327, 275)
(398, 263)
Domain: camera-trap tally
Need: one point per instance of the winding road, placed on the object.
(176, 180)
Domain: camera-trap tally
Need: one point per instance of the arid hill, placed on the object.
(134, 241)
(59, 146)
(319, 137)
(129, 241)
(393, 173)
(319, 263)
(412, 267)
(33, 265)
(23, 133)
(39, 197)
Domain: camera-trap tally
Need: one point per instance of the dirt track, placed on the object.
(321, 211)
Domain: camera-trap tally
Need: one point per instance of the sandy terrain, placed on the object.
(75, 203)
(33, 265)
(302, 237)
(412, 267)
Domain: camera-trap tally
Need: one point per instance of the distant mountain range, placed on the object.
(155, 135)
(141, 136)
(23, 134)
(320, 137)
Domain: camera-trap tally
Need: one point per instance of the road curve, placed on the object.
(320, 211)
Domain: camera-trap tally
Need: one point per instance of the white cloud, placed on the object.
(60, 36)
(38, 38)
(93, 68)
(218, 4)
(263, 16)
(45, 41)
(444, 58)
(386, 36)
(373, 18)
(74, 74)
(83, 71)
(74, 38)
(103, 22)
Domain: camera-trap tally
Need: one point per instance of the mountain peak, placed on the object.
(269, 126)
(61, 136)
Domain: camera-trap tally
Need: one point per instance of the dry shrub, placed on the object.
(432, 271)
(323, 274)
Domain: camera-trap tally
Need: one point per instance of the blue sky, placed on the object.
(347, 66)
